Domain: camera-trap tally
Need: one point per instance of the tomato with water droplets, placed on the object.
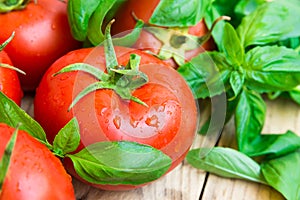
(34, 173)
(167, 123)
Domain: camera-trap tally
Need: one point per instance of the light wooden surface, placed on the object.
(187, 183)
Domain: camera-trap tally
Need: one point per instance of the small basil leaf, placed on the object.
(79, 14)
(120, 163)
(283, 174)
(236, 81)
(272, 68)
(11, 114)
(6, 157)
(95, 34)
(227, 163)
(269, 23)
(249, 118)
(180, 13)
(274, 145)
(68, 138)
(203, 76)
(231, 45)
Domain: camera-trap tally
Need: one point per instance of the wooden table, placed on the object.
(187, 183)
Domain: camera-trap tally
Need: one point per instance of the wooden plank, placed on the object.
(282, 115)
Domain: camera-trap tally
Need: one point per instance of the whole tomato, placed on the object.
(167, 123)
(9, 80)
(42, 35)
(147, 40)
(34, 172)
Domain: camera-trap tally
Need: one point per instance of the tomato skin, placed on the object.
(34, 172)
(9, 80)
(147, 41)
(42, 35)
(103, 116)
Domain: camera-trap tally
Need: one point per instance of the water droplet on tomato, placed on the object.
(152, 121)
(117, 122)
(53, 26)
(134, 123)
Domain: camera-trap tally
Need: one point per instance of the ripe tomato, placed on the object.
(34, 172)
(168, 123)
(147, 41)
(42, 35)
(9, 80)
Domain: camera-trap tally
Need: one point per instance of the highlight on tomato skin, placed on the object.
(170, 120)
(34, 172)
(9, 80)
(42, 35)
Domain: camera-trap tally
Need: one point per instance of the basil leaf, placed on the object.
(274, 145)
(246, 7)
(295, 94)
(79, 14)
(227, 163)
(269, 23)
(236, 81)
(6, 157)
(272, 68)
(179, 13)
(68, 138)
(11, 114)
(95, 34)
(249, 119)
(231, 45)
(283, 174)
(120, 163)
(203, 76)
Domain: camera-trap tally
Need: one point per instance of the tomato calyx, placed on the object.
(177, 41)
(122, 79)
(10, 5)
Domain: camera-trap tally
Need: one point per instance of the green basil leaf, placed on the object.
(246, 7)
(68, 138)
(11, 114)
(203, 76)
(120, 163)
(274, 145)
(249, 118)
(295, 94)
(227, 163)
(269, 23)
(272, 68)
(236, 81)
(232, 47)
(283, 174)
(179, 13)
(79, 14)
(6, 157)
(95, 34)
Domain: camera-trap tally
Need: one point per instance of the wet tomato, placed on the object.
(167, 123)
(42, 35)
(34, 172)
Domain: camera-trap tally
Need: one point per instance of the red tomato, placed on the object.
(42, 35)
(168, 124)
(147, 41)
(34, 172)
(9, 80)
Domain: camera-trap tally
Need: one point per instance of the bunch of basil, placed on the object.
(258, 54)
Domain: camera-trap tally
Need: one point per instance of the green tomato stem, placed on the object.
(10, 5)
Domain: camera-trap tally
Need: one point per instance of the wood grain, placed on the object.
(187, 183)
